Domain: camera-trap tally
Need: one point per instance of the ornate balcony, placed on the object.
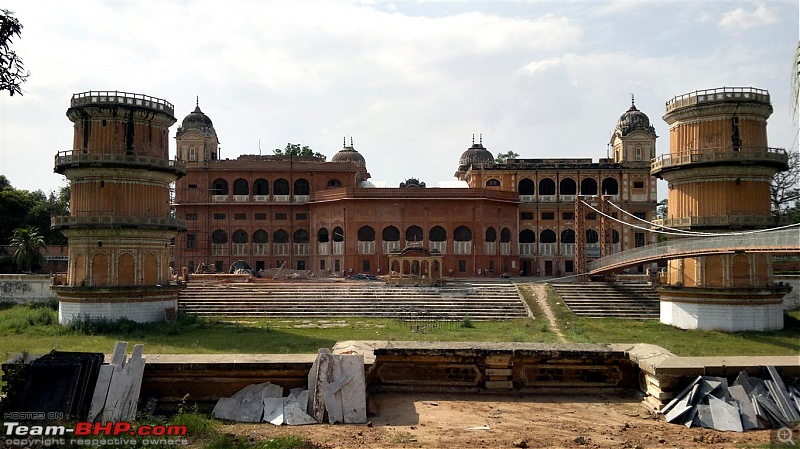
(720, 156)
(65, 160)
(718, 95)
(93, 97)
(104, 220)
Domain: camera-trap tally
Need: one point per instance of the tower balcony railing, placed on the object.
(77, 158)
(723, 220)
(720, 94)
(720, 155)
(95, 97)
(106, 220)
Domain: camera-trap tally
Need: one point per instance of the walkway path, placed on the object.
(539, 291)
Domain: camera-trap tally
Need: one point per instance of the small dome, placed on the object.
(632, 120)
(196, 119)
(349, 154)
(475, 155)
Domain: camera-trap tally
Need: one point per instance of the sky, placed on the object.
(410, 81)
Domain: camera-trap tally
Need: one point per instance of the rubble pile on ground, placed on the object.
(749, 403)
(337, 391)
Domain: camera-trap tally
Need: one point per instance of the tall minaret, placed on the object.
(120, 227)
(719, 170)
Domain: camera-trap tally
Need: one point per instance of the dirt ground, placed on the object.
(492, 421)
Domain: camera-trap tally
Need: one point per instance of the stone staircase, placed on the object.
(481, 301)
(605, 300)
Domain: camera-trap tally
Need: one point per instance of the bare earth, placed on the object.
(491, 421)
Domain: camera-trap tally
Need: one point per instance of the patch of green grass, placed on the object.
(680, 342)
(35, 329)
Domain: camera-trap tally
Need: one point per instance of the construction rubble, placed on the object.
(337, 391)
(750, 403)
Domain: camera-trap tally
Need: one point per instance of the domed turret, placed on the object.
(634, 119)
(196, 120)
(475, 155)
(349, 154)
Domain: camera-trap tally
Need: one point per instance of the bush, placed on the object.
(467, 322)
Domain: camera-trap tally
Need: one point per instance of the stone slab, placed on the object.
(724, 416)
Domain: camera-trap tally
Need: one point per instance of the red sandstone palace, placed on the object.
(305, 213)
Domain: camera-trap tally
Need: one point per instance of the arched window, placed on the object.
(505, 235)
(462, 234)
(240, 187)
(301, 236)
(610, 186)
(261, 187)
(567, 186)
(547, 186)
(526, 187)
(280, 236)
(547, 236)
(390, 234)
(614, 236)
(281, 186)
(568, 236)
(240, 236)
(322, 235)
(338, 234)
(491, 234)
(334, 183)
(588, 186)
(437, 234)
(527, 236)
(493, 183)
(414, 234)
(301, 187)
(366, 234)
(260, 236)
(592, 236)
(219, 237)
(219, 187)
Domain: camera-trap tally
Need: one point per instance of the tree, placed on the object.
(12, 72)
(28, 242)
(294, 149)
(661, 211)
(785, 187)
(503, 157)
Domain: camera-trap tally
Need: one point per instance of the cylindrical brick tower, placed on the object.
(120, 227)
(719, 170)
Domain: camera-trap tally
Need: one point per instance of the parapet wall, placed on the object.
(499, 367)
(25, 288)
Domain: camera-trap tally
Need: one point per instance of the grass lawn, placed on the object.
(680, 342)
(34, 329)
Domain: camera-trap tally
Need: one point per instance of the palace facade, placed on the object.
(305, 213)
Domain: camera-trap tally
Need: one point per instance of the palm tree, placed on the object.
(28, 242)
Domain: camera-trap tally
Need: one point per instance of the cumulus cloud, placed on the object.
(742, 18)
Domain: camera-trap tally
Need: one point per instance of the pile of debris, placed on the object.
(74, 385)
(337, 391)
(750, 403)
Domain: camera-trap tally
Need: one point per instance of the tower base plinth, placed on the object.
(140, 304)
(729, 310)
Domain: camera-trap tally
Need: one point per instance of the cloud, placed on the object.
(741, 18)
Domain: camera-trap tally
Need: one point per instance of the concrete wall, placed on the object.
(792, 299)
(25, 288)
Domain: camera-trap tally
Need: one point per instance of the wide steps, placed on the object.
(601, 300)
(480, 301)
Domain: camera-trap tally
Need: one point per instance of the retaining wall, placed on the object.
(25, 288)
